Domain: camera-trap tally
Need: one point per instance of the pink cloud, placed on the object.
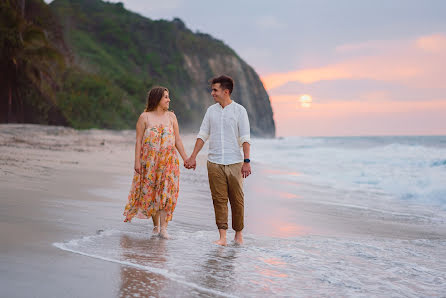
(435, 43)
(417, 63)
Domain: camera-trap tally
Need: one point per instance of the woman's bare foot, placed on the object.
(156, 230)
(163, 221)
(163, 233)
(221, 242)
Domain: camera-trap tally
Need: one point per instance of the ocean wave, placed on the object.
(399, 166)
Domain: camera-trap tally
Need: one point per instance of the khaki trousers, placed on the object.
(226, 182)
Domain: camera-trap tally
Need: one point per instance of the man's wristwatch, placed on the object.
(247, 160)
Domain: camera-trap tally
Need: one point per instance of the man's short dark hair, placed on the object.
(226, 82)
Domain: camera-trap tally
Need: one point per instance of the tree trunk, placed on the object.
(19, 113)
(22, 7)
(8, 119)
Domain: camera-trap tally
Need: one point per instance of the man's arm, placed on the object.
(246, 149)
(245, 140)
(246, 168)
(203, 135)
(192, 161)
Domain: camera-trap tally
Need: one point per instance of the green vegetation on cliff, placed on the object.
(112, 58)
(28, 64)
(118, 57)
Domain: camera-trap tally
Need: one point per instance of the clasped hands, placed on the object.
(190, 163)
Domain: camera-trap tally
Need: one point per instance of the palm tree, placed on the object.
(26, 58)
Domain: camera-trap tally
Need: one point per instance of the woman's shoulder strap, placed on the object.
(146, 118)
(172, 117)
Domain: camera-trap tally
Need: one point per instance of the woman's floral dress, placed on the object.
(157, 187)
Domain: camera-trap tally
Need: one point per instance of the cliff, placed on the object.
(114, 56)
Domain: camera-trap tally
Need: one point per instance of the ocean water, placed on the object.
(325, 217)
(411, 169)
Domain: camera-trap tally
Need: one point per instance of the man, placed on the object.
(226, 125)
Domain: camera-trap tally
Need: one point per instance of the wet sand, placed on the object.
(59, 184)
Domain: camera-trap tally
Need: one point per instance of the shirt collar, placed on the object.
(221, 108)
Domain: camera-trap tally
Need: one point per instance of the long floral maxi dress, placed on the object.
(157, 187)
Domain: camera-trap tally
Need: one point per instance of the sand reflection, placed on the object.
(270, 207)
(218, 269)
(149, 252)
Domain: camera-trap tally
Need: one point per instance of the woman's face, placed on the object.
(165, 100)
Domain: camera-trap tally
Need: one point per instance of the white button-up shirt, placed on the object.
(227, 129)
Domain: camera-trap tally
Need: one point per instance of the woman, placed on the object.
(155, 185)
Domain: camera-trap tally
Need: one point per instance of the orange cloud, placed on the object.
(420, 62)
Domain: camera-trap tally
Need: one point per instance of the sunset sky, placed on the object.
(366, 67)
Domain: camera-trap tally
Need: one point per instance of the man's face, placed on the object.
(218, 93)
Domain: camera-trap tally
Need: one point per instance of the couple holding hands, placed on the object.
(155, 184)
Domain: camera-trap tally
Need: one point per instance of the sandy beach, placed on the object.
(48, 178)
(59, 184)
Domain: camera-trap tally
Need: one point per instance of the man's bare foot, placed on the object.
(156, 230)
(238, 238)
(163, 234)
(221, 242)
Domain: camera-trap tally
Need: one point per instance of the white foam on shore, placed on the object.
(274, 266)
(165, 273)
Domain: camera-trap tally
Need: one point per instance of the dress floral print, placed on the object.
(157, 187)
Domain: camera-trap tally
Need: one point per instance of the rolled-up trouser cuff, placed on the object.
(222, 226)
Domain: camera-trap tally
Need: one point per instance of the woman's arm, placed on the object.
(140, 126)
(178, 142)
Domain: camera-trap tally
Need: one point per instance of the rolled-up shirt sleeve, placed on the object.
(244, 129)
(205, 128)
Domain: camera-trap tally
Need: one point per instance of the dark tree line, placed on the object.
(27, 61)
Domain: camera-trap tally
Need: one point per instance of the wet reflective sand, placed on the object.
(62, 233)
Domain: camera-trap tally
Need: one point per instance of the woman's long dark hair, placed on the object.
(154, 97)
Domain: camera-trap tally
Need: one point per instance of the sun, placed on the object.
(305, 100)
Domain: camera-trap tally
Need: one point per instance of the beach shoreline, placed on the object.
(60, 184)
(48, 180)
